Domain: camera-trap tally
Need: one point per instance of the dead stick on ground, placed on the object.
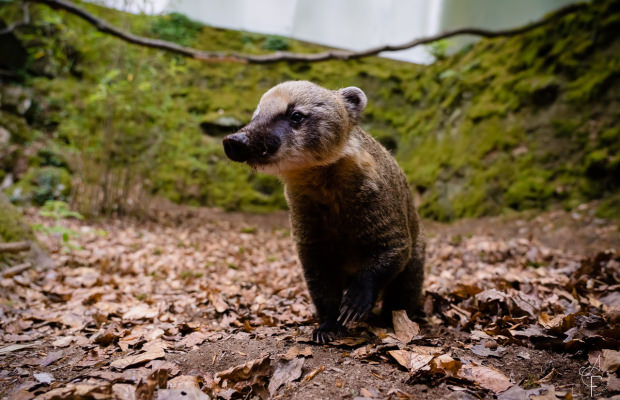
(214, 56)
(16, 270)
(14, 247)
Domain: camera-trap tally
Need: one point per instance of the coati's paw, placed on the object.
(356, 302)
(327, 332)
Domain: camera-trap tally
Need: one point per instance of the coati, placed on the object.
(352, 214)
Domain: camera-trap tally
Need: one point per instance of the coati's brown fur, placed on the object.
(352, 214)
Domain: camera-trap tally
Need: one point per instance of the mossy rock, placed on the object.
(42, 184)
(12, 226)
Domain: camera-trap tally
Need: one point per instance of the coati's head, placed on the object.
(297, 125)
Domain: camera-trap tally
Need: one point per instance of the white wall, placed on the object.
(353, 24)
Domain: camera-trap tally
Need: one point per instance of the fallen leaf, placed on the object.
(153, 353)
(259, 366)
(610, 360)
(410, 360)
(193, 339)
(141, 311)
(16, 347)
(295, 352)
(286, 371)
(518, 393)
(123, 391)
(481, 350)
(44, 377)
(63, 341)
(488, 378)
(548, 393)
(446, 365)
(51, 358)
(404, 328)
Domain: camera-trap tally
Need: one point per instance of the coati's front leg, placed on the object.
(361, 294)
(322, 273)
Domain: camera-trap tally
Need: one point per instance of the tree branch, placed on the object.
(210, 56)
(25, 21)
(14, 247)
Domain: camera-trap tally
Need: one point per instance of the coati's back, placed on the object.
(354, 223)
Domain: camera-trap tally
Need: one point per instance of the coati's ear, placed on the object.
(354, 99)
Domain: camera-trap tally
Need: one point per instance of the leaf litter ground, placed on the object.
(196, 303)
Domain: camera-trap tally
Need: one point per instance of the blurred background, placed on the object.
(481, 127)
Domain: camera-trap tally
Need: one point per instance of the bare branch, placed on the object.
(15, 270)
(14, 247)
(209, 56)
(25, 21)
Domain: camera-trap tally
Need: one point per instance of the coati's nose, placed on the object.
(237, 147)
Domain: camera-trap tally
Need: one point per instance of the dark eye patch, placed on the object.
(296, 117)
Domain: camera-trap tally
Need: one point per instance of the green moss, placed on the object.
(531, 190)
(610, 207)
(12, 226)
(176, 27)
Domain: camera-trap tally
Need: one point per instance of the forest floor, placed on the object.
(191, 303)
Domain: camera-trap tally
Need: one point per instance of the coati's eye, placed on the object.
(296, 117)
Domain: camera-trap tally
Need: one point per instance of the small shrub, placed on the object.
(276, 43)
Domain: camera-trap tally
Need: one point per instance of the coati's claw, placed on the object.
(355, 305)
(327, 332)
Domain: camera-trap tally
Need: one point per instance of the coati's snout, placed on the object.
(237, 147)
(248, 146)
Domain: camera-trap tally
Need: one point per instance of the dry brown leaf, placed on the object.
(481, 350)
(184, 382)
(193, 339)
(349, 341)
(410, 360)
(242, 372)
(404, 328)
(63, 341)
(286, 371)
(488, 378)
(51, 358)
(44, 377)
(123, 391)
(446, 365)
(140, 311)
(296, 351)
(151, 354)
(610, 360)
(16, 347)
(547, 393)
(191, 393)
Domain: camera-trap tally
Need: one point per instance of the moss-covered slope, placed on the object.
(515, 123)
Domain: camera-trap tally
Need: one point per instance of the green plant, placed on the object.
(276, 43)
(58, 210)
(176, 27)
(439, 49)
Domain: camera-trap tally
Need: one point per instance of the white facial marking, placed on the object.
(256, 111)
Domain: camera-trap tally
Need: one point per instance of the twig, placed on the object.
(16, 270)
(210, 56)
(14, 247)
(25, 21)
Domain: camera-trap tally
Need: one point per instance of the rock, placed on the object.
(220, 126)
(16, 99)
(5, 137)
